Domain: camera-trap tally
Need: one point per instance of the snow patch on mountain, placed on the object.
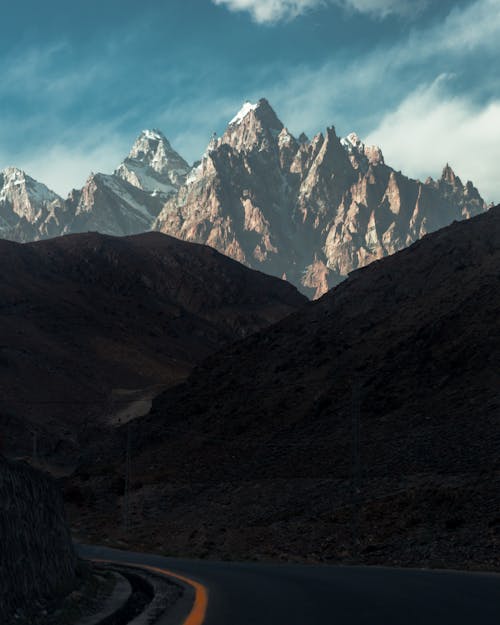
(243, 112)
(139, 176)
(120, 191)
(14, 180)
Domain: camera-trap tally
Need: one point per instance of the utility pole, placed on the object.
(35, 447)
(355, 465)
(126, 492)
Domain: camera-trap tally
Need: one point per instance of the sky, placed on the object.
(420, 78)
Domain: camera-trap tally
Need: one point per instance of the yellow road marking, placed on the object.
(199, 609)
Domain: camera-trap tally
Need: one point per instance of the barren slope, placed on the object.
(85, 314)
(253, 455)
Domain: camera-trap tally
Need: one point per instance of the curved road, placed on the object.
(289, 594)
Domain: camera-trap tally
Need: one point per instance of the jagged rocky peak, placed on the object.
(23, 195)
(153, 165)
(450, 177)
(313, 209)
(254, 126)
(362, 155)
(332, 158)
(28, 209)
(261, 111)
(14, 181)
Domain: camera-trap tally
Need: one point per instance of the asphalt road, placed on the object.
(274, 594)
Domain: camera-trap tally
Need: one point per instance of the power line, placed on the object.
(126, 492)
(356, 464)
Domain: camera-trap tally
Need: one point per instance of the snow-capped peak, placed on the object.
(153, 134)
(243, 112)
(352, 141)
(15, 180)
(153, 165)
(150, 144)
(13, 173)
(353, 144)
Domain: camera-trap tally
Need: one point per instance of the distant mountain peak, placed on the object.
(28, 208)
(255, 126)
(315, 210)
(153, 148)
(14, 179)
(357, 148)
(262, 110)
(243, 112)
(449, 175)
(13, 172)
(154, 134)
(267, 115)
(153, 165)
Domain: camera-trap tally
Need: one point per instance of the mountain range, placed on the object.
(308, 210)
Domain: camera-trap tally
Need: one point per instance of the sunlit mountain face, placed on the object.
(307, 210)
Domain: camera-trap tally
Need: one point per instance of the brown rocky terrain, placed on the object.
(363, 427)
(90, 323)
(312, 210)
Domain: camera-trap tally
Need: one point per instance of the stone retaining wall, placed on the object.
(37, 560)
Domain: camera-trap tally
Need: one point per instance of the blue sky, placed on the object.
(421, 78)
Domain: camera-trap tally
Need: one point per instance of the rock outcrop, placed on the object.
(314, 210)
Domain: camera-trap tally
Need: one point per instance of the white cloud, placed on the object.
(67, 163)
(430, 128)
(382, 8)
(65, 167)
(269, 11)
(436, 125)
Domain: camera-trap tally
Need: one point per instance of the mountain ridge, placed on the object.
(82, 315)
(309, 210)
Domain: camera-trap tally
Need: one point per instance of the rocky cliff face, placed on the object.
(313, 210)
(111, 205)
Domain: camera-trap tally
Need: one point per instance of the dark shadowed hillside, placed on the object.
(365, 426)
(91, 323)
